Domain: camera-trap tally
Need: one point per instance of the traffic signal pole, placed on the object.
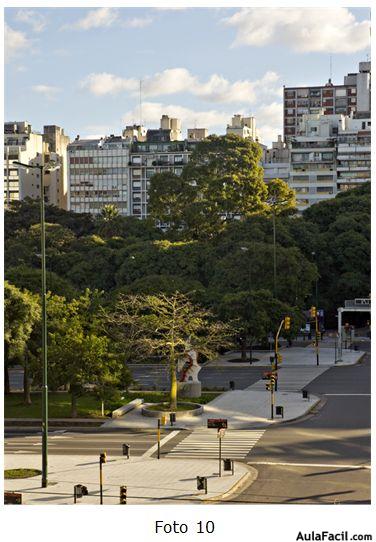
(317, 340)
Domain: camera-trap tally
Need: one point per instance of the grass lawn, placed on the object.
(88, 405)
(12, 474)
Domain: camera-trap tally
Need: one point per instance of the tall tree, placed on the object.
(223, 180)
(167, 326)
(21, 314)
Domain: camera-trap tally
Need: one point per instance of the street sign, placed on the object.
(221, 433)
(217, 423)
(11, 497)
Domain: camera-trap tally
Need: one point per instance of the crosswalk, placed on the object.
(203, 443)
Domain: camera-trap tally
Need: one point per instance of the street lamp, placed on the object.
(316, 283)
(50, 165)
(273, 201)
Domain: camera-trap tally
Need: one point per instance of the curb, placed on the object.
(306, 413)
(246, 480)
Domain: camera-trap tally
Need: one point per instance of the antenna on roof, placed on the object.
(330, 67)
(140, 102)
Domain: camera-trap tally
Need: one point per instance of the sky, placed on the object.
(80, 68)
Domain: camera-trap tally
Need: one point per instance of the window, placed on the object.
(136, 160)
(340, 92)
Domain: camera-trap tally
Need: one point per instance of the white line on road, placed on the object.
(154, 448)
(318, 465)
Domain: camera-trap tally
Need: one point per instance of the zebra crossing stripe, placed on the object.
(203, 443)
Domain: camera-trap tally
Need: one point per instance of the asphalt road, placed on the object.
(324, 457)
(156, 376)
(84, 443)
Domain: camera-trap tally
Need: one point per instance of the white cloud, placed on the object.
(305, 30)
(179, 80)
(269, 121)
(104, 83)
(152, 112)
(15, 42)
(47, 91)
(35, 20)
(96, 18)
(137, 22)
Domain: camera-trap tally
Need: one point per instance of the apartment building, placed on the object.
(276, 161)
(98, 174)
(29, 147)
(352, 97)
(21, 143)
(244, 127)
(353, 153)
(330, 153)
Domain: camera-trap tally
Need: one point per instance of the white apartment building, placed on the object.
(55, 180)
(276, 161)
(23, 145)
(197, 134)
(331, 153)
(353, 153)
(244, 127)
(98, 174)
(28, 147)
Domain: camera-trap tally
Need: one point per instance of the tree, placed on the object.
(223, 180)
(281, 198)
(21, 313)
(108, 221)
(79, 353)
(256, 314)
(167, 326)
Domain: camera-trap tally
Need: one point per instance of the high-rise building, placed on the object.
(352, 97)
(21, 143)
(98, 174)
(55, 179)
(330, 153)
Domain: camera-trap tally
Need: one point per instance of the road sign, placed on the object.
(221, 433)
(217, 423)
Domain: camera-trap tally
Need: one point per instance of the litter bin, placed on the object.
(305, 394)
(279, 411)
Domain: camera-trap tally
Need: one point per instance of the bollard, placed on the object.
(305, 394)
(232, 385)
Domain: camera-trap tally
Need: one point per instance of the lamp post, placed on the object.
(44, 319)
(273, 201)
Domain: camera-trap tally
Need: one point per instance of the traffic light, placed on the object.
(279, 357)
(103, 458)
(123, 494)
(313, 312)
(268, 386)
(287, 323)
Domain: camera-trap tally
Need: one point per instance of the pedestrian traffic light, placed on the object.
(268, 386)
(287, 323)
(313, 312)
(103, 458)
(123, 494)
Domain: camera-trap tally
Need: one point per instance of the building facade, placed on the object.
(29, 147)
(352, 97)
(244, 127)
(21, 143)
(331, 153)
(98, 174)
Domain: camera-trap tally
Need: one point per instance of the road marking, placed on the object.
(347, 394)
(318, 465)
(203, 443)
(154, 448)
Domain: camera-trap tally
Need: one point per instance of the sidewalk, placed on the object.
(148, 481)
(294, 356)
